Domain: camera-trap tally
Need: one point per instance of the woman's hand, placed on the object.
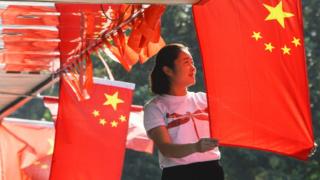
(206, 144)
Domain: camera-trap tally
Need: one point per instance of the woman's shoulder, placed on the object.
(199, 94)
(200, 97)
(153, 102)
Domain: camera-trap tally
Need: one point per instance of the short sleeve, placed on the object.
(153, 117)
(202, 97)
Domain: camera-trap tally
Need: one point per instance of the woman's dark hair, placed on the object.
(159, 81)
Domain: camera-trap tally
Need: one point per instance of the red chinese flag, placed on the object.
(255, 72)
(91, 134)
(137, 138)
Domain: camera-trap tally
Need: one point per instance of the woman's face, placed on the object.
(184, 72)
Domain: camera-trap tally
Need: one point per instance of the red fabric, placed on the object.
(87, 146)
(258, 98)
(29, 15)
(39, 170)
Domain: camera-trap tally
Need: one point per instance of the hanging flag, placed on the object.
(25, 144)
(91, 134)
(10, 157)
(256, 77)
(137, 138)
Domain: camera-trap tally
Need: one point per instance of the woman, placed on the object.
(177, 120)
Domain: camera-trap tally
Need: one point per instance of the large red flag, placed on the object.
(255, 72)
(91, 134)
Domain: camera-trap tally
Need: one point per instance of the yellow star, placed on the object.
(44, 166)
(256, 35)
(96, 113)
(51, 143)
(277, 13)
(36, 163)
(102, 121)
(286, 50)
(113, 100)
(269, 47)
(123, 118)
(114, 124)
(296, 41)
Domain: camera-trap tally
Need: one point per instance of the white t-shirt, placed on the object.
(186, 119)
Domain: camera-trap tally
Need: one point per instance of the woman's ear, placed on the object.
(168, 71)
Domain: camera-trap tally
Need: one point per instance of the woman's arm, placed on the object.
(162, 140)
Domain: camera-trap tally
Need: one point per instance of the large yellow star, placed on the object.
(296, 41)
(286, 50)
(277, 13)
(269, 47)
(113, 100)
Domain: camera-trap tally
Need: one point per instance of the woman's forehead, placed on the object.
(185, 54)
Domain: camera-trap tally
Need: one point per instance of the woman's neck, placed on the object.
(177, 91)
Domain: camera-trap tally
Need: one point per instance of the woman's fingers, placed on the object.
(206, 144)
(211, 141)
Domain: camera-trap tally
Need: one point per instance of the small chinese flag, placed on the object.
(137, 138)
(91, 134)
(24, 145)
(255, 70)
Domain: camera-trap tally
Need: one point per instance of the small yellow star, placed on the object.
(102, 121)
(256, 35)
(113, 100)
(114, 124)
(277, 13)
(96, 113)
(44, 166)
(296, 41)
(123, 118)
(269, 47)
(286, 50)
(51, 143)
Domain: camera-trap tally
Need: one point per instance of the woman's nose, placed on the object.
(193, 68)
